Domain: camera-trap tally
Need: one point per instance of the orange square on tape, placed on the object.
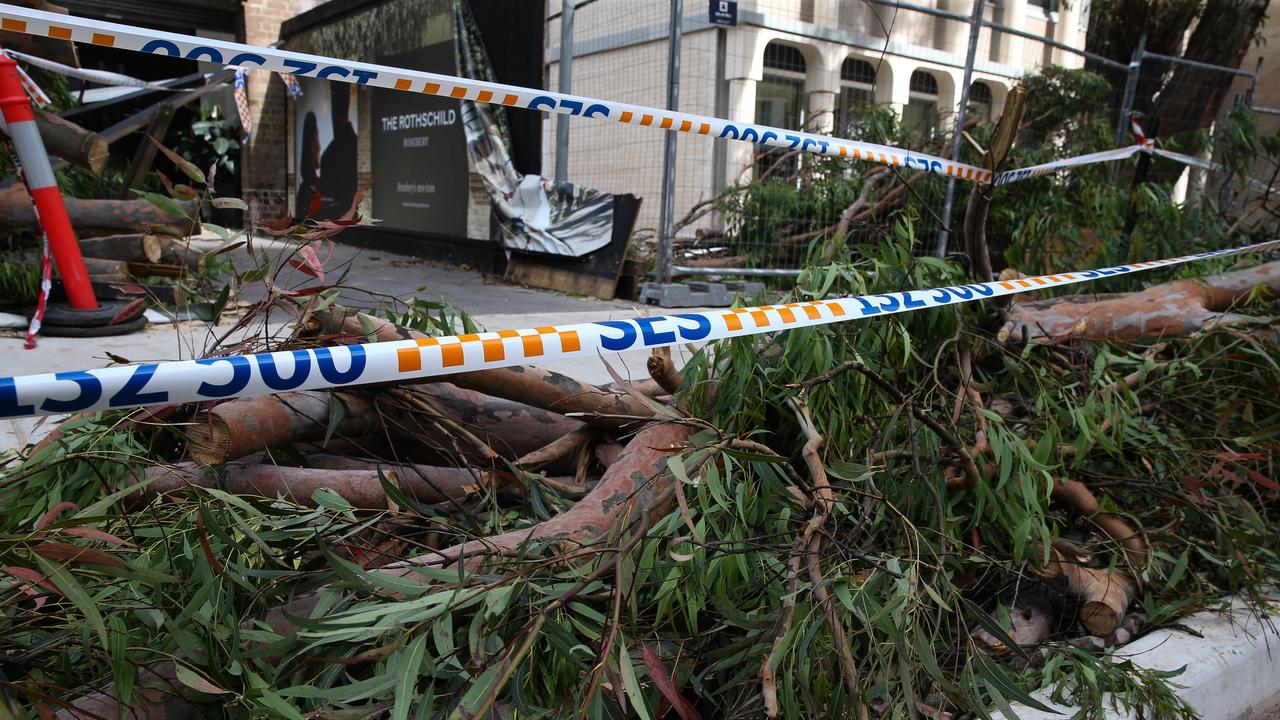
(409, 359)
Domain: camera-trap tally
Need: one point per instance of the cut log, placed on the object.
(179, 253)
(99, 269)
(1177, 308)
(126, 215)
(133, 247)
(246, 425)
(1106, 594)
(71, 142)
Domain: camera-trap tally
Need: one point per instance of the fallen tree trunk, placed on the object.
(1180, 307)
(239, 427)
(513, 429)
(362, 487)
(246, 425)
(71, 142)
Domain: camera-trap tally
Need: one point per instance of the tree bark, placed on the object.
(1177, 308)
(633, 487)
(1114, 29)
(246, 425)
(361, 487)
(127, 215)
(1106, 593)
(130, 248)
(71, 142)
(1193, 97)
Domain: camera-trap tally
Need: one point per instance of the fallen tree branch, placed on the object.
(541, 388)
(1177, 308)
(628, 490)
(360, 487)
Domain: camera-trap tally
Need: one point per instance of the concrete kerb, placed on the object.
(1232, 669)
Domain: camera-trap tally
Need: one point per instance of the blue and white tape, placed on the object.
(406, 360)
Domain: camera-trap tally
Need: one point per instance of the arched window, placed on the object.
(921, 113)
(783, 57)
(980, 102)
(780, 97)
(857, 89)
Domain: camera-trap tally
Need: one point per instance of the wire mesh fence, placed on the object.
(883, 71)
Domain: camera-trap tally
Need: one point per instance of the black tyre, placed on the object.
(64, 316)
(123, 328)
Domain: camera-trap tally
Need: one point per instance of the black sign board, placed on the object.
(420, 152)
(723, 12)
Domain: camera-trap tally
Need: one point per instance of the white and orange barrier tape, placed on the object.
(219, 378)
(155, 42)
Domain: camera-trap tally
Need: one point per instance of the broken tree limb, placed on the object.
(1106, 594)
(556, 449)
(975, 216)
(360, 487)
(1178, 308)
(511, 428)
(246, 425)
(71, 142)
(633, 487)
(663, 370)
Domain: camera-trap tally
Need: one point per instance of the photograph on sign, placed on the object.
(325, 133)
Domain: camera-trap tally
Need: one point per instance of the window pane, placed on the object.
(778, 101)
(920, 116)
(848, 107)
(783, 57)
(923, 82)
(859, 71)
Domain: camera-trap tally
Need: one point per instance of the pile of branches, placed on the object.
(928, 515)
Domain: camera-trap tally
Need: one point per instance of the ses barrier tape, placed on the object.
(405, 360)
(155, 42)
